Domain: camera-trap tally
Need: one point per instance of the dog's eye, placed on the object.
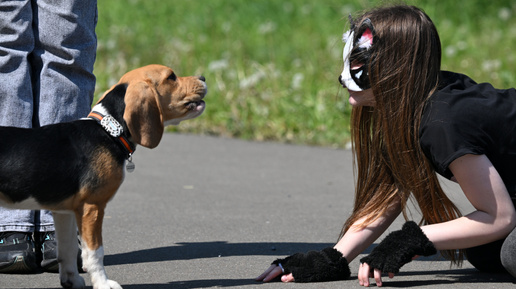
(172, 77)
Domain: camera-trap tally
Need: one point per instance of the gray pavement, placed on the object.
(202, 212)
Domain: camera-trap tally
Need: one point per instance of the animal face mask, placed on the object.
(357, 55)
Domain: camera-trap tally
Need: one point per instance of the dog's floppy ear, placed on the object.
(142, 114)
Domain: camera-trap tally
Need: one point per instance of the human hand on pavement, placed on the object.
(396, 250)
(314, 266)
(365, 272)
(273, 272)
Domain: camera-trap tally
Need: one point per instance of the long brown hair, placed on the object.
(389, 163)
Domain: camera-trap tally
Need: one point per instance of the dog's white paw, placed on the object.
(110, 284)
(72, 281)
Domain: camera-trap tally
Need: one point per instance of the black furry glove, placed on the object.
(316, 266)
(398, 248)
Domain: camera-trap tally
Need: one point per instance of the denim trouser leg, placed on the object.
(47, 52)
(63, 58)
(16, 44)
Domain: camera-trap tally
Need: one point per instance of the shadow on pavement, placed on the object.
(200, 250)
(446, 277)
(207, 283)
(189, 251)
(466, 276)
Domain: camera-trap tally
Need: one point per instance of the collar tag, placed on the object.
(130, 165)
(112, 126)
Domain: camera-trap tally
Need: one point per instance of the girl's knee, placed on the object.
(508, 254)
(486, 258)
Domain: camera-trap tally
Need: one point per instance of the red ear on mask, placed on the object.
(367, 37)
(366, 34)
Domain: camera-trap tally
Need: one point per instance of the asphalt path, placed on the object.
(203, 212)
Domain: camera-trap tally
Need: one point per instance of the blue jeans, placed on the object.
(47, 52)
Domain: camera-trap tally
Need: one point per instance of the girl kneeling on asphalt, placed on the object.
(410, 120)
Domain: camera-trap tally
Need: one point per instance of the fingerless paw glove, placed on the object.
(398, 248)
(316, 266)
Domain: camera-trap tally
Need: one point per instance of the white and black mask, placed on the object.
(357, 56)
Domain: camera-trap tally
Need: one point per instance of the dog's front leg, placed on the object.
(90, 228)
(67, 248)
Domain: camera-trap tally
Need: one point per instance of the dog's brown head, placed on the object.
(157, 97)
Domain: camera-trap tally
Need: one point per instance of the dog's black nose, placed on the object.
(202, 78)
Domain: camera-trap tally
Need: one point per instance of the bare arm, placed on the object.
(350, 245)
(356, 240)
(494, 217)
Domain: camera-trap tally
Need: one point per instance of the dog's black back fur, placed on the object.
(52, 163)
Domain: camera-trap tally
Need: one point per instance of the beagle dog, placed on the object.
(75, 168)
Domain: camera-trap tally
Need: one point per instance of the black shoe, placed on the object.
(17, 253)
(47, 247)
(46, 243)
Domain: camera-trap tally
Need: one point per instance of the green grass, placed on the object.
(272, 65)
